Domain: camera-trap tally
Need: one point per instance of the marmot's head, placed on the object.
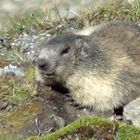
(62, 56)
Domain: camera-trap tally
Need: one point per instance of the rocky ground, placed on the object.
(29, 109)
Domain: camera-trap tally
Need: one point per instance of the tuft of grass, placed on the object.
(114, 11)
(18, 89)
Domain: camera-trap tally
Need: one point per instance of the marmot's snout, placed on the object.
(42, 64)
(45, 67)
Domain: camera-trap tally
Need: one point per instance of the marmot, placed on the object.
(100, 67)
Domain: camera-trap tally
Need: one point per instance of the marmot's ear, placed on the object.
(82, 47)
(81, 43)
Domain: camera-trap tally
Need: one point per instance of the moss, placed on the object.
(129, 132)
(24, 115)
(125, 132)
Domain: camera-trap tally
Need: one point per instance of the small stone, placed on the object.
(9, 107)
(1, 46)
(1, 72)
(2, 38)
(2, 54)
(54, 108)
(11, 69)
(3, 105)
(60, 122)
(12, 44)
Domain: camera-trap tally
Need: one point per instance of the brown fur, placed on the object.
(117, 82)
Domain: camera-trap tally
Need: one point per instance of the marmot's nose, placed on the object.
(42, 64)
(45, 67)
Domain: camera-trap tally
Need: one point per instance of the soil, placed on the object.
(56, 107)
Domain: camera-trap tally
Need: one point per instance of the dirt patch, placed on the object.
(57, 112)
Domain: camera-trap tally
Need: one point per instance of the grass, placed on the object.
(17, 91)
(52, 22)
(45, 20)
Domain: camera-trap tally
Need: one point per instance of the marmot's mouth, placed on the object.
(49, 75)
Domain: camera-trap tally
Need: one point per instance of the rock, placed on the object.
(2, 38)
(1, 46)
(11, 70)
(29, 44)
(3, 105)
(59, 121)
(132, 112)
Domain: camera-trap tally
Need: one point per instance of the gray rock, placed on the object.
(132, 112)
(10, 69)
(29, 44)
(1, 46)
(3, 105)
(59, 121)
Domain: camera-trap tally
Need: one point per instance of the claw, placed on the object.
(70, 99)
(80, 107)
(75, 104)
(67, 95)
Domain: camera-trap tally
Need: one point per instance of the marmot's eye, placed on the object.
(65, 51)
